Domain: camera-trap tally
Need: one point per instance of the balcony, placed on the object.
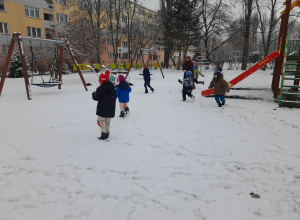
(50, 4)
(122, 49)
(49, 24)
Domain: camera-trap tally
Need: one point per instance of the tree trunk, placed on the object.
(166, 59)
(179, 61)
(248, 11)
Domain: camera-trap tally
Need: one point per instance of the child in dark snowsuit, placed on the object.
(147, 79)
(122, 92)
(188, 85)
(220, 87)
(106, 107)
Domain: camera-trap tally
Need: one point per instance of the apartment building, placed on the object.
(33, 18)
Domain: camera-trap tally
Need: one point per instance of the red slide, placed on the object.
(247, 73)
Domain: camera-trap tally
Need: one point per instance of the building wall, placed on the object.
(18, 21)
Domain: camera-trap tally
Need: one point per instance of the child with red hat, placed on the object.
(106, 107)
(122, 92)
(111, 77)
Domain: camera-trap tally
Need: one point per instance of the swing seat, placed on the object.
(47, 84)
(142, 74)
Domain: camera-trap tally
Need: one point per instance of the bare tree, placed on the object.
(248, 8)
(129, 13)
(268, 20)
(145, 31)
(215, 21)
(115, 31)
(90, 17)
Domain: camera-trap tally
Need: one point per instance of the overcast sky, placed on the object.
(151, 4)
(235, 5)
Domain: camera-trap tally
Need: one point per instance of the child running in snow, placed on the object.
(147, 79)
(188, 85)
(220, 87)
(122, 92)
(106, 107)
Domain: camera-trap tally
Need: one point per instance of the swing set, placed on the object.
(35, 66)
(16, 37)
(153, 56)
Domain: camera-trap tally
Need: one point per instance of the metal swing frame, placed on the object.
(143, 62)
(16, 37)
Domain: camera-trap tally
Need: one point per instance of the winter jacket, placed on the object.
(220, 86)
(122, 92)
(188, 81)
(189, 67)
(106, 97)
(146, 74)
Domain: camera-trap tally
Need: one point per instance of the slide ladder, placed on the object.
(247, 73)
(289, 92)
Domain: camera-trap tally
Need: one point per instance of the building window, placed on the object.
(32, 12)
(2, 5)
(157, 48)
(62, 2)
(48, 17)
(138, 10)
(62, 17)
(110, 42)
(34, 32)
(110, 55)
(125, 55)
(5, 48)
(4, 28)
(124, 43)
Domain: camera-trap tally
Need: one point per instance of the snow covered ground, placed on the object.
(167, 160)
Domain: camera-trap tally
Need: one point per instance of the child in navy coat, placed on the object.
(106, 107)
(147, 79)
(122, 92)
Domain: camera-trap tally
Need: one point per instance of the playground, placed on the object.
(167, 160)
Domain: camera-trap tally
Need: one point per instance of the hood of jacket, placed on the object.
(107, 86)
(123, 85)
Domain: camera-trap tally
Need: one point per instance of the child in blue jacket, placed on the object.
(122, 92)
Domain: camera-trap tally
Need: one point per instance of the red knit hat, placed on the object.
(103, 78)
(107, 72)
(121, 78)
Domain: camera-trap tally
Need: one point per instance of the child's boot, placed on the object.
(223, 103)
(152, 89)
(146, 91)
(126, 109)
(219, 104)
(102, 136)
(122, 114)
